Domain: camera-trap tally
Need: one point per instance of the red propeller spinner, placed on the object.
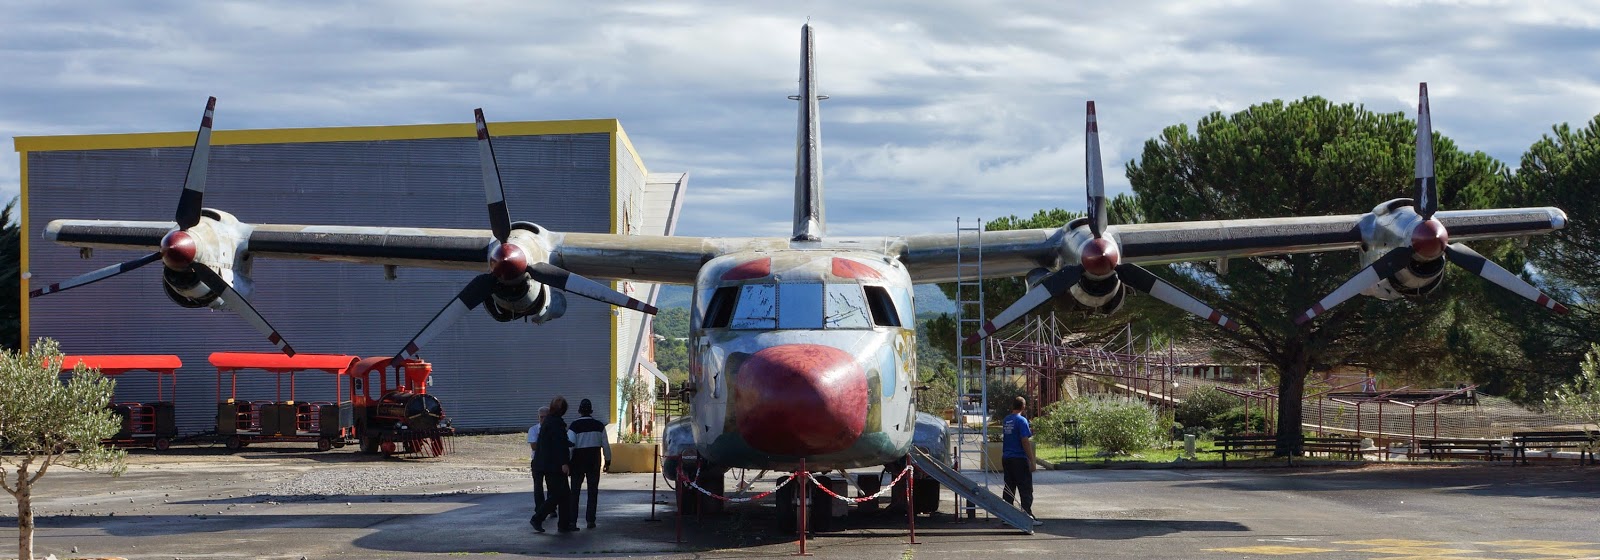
(507, 262)
(1100, 257)
(1429, 239)
(178, 250)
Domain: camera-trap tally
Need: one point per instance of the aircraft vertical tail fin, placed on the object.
(808, 217)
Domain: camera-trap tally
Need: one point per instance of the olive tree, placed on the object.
(46, 422)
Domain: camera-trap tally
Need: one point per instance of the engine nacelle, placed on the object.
(1103, 296)
(185, 289)
(529, 299)
(1419, 277)
(219, 241)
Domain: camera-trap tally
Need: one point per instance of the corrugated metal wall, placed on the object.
(489, 374)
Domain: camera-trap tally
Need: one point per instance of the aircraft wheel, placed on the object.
(369, 444)
(163, 444)
(324, 444)
(234, 443)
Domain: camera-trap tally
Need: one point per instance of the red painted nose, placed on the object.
(1429, 239)
(507, 262)
(1100, 257)
(178, 250)
(800, 399)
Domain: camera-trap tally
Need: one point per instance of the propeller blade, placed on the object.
(194, 184)
(96, 276)
(237, 303)
(1427, 185)
(1095, 177)
(1052, 285)
(493, 191)
(476, 292)
(1382, 268)
(1147, 282)
(1475, 263)
(556, 277)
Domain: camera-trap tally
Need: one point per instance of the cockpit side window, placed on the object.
(720, 308)
(757, 307)
(846, 309)
(883, 312)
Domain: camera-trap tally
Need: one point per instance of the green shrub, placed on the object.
(1205, 409)
(1234, 421)
(1116, 426)
(1001, 390)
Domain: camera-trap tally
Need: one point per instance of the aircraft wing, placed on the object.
(932, 258)
(644, 258)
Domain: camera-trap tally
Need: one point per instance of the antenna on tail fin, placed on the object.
(808, 218)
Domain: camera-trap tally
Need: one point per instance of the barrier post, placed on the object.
(911, 498)
(803, 476)
(655, 474)
(678, 507)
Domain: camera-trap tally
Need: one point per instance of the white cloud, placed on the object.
(938, 109)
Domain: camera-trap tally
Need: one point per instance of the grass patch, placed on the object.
(1204, 451)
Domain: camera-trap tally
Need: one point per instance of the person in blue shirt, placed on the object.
(533, 460)
(1016, 456)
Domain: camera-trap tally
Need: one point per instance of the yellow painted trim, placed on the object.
(626, 143)
(25, 234)
(306, 135)
(616, 318)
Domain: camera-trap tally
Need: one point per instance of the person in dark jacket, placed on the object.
(588, 441)
(553, 461)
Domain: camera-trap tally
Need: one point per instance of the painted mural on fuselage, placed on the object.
(803, 353)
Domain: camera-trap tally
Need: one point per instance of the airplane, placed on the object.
(803, 348)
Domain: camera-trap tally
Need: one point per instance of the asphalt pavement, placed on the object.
(293, 503)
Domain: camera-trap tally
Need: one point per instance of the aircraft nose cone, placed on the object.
(800, 399)
(1429, 239)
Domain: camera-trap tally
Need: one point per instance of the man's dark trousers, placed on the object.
(558, 501)
(538, 485)
(1019, 480)
(585, 465)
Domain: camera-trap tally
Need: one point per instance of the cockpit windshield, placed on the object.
(802, 305)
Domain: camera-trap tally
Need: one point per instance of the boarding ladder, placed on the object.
(972, 370)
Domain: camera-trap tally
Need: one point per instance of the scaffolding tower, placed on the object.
(972, 370)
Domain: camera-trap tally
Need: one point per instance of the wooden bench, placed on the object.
(1485, 449)
(1246, 444)
(1348, 448)
(1584, 442)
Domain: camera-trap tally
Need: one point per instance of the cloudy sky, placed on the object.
(939, 109)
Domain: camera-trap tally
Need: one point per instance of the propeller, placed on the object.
(509, 261)
(180, 247)
(1099, 258)
(1428, 240)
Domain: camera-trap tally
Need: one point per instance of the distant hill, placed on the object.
(675, 296)
(929, 298)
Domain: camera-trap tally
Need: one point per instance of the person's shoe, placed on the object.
(1037, 523)
(591, 524)
(537, 527)
(565, 529)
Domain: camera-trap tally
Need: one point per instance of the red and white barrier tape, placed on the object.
(695, 485)
(880, 494)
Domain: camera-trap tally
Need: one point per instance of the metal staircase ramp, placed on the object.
(972, 491)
